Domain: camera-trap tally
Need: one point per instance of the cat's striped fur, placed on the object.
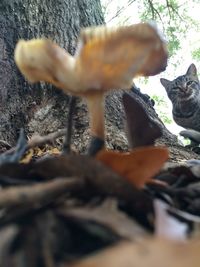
(184, 93)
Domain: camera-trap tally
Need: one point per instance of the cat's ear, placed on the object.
(165, 82)
(192, 70)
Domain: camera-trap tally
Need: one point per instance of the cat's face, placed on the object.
(183, 87)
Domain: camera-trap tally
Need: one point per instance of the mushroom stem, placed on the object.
(95, 103)
(96, 144)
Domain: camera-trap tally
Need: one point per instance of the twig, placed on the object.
(121, 10)
(41, 140)
(67, 142)
(38, 193)
(16, 154)
(38, 140)
(5, 143)
(170, 7)
(99, 178)
(154, 11)
(8, 181)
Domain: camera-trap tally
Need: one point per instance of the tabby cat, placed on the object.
(184, 93)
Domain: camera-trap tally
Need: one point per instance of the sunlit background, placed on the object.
(182, 32)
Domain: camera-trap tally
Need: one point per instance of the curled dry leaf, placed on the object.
(137, 166)
(105, 59)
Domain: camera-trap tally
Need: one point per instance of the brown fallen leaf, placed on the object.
(137, 166)
(147, 252)
(106, 58)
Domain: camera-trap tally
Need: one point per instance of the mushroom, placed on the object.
(105, 59)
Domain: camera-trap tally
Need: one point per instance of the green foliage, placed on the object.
(161, 108)
(173, 40)
(196, 54)
(173, 17)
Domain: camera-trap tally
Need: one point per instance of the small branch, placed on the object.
(38, 193)
(41, 140)
(38, 140)
(168, 7)
(14, 155)
(171, 8)
(154, 11)
(121, 10)
(99, 178)
(67, 142)
(4, 143)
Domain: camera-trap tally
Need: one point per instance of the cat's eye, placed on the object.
(189, 83)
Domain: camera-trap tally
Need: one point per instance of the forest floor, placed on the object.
(74, 210)
(123, 207)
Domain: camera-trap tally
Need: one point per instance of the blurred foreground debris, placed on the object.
(57, 210)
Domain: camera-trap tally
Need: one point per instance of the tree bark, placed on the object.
(39, 107)
(177, 151)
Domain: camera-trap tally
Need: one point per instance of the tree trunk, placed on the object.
(178, 152)
(39, 107)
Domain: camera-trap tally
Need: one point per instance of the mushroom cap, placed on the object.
(106, 58)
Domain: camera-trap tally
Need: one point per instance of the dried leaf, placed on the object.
(146, 252)
(27, 158)
(54, 151)
(138, 166)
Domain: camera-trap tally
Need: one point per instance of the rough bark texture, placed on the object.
(39, 108)
(177, 151)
